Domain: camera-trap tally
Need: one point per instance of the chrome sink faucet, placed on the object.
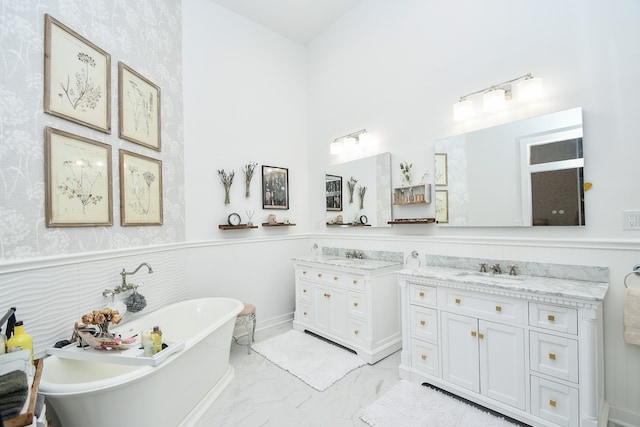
(495, 268)
(483, 267)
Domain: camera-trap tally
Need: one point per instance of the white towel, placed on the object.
(632, 316)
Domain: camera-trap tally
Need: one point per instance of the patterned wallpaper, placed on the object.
(144, 34)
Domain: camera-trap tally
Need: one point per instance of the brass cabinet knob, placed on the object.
(551, 318)
(424, 357)
(422, 322)
(355, 282)
(498, 308)
(305, 313)
(356, 332)
(304, 272)
(474, 333)
(481, 336)
(335, 277)
(552, 402)
(552, 356)
(319, 274)
(421, 294)
(457, 300)
(327, 295)
(355, 304)
(304, 291)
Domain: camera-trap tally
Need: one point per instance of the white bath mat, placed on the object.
(311, 359)
(412, 405)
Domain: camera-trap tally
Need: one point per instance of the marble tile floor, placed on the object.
(262, 394)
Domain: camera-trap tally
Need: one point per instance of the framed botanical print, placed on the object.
(77, 181)
(442, 173)
(275, 187)
(77, 77)
(333, 185)
(140, 189)
(442, 206)
(139, 108)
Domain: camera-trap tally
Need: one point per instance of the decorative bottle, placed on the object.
(20, 340)
(156, 337)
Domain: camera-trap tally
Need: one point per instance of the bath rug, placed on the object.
(412, 405)
(314, 361)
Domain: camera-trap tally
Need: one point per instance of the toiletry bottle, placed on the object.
(156, 336)
(20, 340)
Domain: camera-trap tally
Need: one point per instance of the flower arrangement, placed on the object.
(352, 185)
(226, 180)
(248, 170)
(362, 190)
(405, 169)
(102, 319)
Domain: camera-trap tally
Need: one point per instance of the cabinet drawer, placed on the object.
(305, 290)
(356, 304)
(553, 317)
(423, 323)
(424, 357)
(554, 402)
(490, 307)
(555, 356)
(304, 313)
(422, 294)
(356, 331)
(356, 283)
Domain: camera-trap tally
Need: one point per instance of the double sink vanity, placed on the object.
(527, 346)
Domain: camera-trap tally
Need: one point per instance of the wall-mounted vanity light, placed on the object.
(496, 96)
(349, 142)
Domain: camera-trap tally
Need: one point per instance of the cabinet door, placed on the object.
(330, 310)
(460, 364)
(502, 363)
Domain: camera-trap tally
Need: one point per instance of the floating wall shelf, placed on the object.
(413, 221)
(277, 224)
(236, 227)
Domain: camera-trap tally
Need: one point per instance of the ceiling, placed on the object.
(298, 20)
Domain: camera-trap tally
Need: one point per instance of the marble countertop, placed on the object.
(357, 263)
(550, 286)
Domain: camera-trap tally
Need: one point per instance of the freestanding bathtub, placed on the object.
(176, 392)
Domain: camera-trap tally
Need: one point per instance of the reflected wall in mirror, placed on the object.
(371, 173)
(525, 173)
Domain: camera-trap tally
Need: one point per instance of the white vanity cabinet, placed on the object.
(533, 354)
(355, 304)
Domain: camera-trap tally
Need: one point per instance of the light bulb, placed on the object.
(493, 100)
(530, 89)
(463, 110)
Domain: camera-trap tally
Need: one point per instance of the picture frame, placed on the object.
(441, 169)
(78, 181)
(333, 184)
(139, 111)
(140, 189)
(442, 206)
(77, 78)
(275, 187)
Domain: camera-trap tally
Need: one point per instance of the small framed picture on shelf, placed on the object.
(77, 77)
(77, 181)
(441, 173)
(139, 108)
(140, 189)
(333, 185)
(442, 206)
(275, 187)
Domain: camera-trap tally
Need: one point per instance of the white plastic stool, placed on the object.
(248, 318)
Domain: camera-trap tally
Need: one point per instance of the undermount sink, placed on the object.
(495, 278)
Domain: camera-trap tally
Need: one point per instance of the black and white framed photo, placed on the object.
(275, 187)
(333, 185)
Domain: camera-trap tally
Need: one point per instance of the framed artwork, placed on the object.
(275, 187)
(334, 192)
(140, 189)
(442, 206)
(77, 77)
(139, 108)
(440, 167)
(77, 181)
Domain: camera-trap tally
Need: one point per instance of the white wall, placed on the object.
(396, 68)
(245, 100)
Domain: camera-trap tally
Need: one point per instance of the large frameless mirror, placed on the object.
(525, 173)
